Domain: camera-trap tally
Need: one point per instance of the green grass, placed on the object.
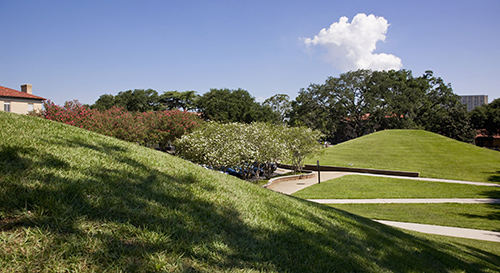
(76, 201)
(367, 187)
(476, 216)
(430, 154)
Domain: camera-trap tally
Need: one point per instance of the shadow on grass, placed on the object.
(495, 177)
(494, 215)
(135, 213)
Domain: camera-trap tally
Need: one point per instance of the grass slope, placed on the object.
(72, 200)
(430, 154)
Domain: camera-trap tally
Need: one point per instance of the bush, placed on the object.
(148, 128)
(247, 147)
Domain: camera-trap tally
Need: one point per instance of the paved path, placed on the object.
(484, 235)
(435, 180)
(289, 187)
(407, 201)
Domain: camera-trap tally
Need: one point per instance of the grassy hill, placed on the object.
(430, 154)
(72, 200)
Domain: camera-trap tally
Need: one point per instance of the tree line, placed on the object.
(364, 101)
(345, 107)
(222, 105)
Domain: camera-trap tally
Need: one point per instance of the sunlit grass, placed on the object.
(76, 201)
(367, 187)
(430, 154)
(476, 216)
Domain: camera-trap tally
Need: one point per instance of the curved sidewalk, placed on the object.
(435, 180)
(291, 186)
(408, 201)
(476, 234)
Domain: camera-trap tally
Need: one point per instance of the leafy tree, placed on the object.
(138, 100)
(362, 101)
(105, 102)
(179, 100)
(356, 106)
(280, 103)
(313, 108)
(401, 97)
(341, 108)
(442, 112)
(487, 118)
(225, 105)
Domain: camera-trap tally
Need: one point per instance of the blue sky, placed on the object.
(82, 49)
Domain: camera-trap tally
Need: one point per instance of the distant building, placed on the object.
(20, 102)
(474, 101)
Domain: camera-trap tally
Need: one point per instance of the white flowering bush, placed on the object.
(247, 148)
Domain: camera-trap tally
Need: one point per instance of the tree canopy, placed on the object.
(280, 103)
(348, 106)
(225, 105)
(487, 118)
(363, 101)
(137, 100)
(179, 100)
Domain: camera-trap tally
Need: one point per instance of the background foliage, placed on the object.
(364, 101)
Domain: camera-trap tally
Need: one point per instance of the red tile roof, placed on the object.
(7, 92)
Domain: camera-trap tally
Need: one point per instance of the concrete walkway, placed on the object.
(408, 201)
(435, 180)
(289, 187)
(484, 235)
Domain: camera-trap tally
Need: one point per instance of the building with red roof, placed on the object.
(20, 102)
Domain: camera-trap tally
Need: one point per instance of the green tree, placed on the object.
(105, 102)
(487, 118)
(401, 97)
(341, 108)
(178, 100)
(225, 105)
(280, 103)
(138, 100)
(356, 106)
(442, 112)
(314, 108)
(362, 101)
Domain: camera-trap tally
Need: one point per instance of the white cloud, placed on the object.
(350, 46)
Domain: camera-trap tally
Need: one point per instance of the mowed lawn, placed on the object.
(430, 154)
(477, 216)
(76, 201)
(369, 187)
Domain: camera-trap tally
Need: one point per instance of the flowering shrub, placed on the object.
(148, 128)
(245, 146)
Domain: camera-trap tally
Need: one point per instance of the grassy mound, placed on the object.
(72, 200)
(430, 154)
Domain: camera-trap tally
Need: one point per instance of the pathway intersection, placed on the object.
(291, 186)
